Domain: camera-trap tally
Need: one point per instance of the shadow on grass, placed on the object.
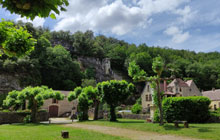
(31, 124)
(118, 121)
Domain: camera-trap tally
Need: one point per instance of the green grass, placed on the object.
(203, 131)
(49, 132)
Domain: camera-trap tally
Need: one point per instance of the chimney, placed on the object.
(213, 89)
(165, 85)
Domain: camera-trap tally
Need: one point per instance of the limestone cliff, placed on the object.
(9, 82)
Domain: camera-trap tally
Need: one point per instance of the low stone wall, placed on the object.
(18, 117)
(135, 116)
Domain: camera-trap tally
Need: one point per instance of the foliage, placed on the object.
(136, 73)
(2, 97)
(27, 119)
(202, 68)
(15, 41)
(83, 96)
(136, 108)
(140, 75)
(114, 93)
(191, 109)
(35, 97)
(33, 8)
(58, 70)
(88, 82)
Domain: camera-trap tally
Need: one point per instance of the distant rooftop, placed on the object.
(213, 95)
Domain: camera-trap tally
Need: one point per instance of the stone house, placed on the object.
(214, 96)
(177, 88)
(62, 108)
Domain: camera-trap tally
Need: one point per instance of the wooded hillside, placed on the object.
(56, 66)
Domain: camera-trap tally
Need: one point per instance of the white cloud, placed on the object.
(178, 36)
(113, 17)
(36, 22)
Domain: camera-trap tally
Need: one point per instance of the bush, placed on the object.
(2, 98)
(191, 109)
(136, 108)
(27, 119)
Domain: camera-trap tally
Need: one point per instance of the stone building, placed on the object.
(177, 88)
(62, 108)
(214, 96)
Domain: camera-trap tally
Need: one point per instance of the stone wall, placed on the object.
(18, 117)
(135, 116)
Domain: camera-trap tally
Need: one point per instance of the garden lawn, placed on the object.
(49, 132)
(203, 131)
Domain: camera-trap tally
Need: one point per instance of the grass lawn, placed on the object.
(203, 131)
(49, 132)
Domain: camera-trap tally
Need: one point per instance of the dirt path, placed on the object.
(132, 134)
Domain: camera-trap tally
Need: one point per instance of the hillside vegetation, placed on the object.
(53, 62)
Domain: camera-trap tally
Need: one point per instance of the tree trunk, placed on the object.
(159, 102)
(96, 111)
(112, 114)
(34, 111)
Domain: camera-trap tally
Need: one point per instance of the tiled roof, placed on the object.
(214, 95)
(179, 82)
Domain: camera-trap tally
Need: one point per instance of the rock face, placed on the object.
(9, 83)
(102, 68)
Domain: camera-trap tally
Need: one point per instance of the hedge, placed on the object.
(2, 97)
(191, 109)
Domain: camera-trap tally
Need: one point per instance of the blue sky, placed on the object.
(179, 24)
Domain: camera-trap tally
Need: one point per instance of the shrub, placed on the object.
(136, 108)
(191, 109)
(2, 98)
(27, 119)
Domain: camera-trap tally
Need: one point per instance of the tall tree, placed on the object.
(114, 93)
(139, 75)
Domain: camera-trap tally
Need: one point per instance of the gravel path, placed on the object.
(132, 134)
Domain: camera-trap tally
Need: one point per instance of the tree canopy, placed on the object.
(15, 40)
(35, 97)
(33, 8)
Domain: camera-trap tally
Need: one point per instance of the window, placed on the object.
(180, 90)
(190, 89)
(148, 88)
(215, 108)
(54, 101)
(147, 98)
(176, 90)
(150, 98)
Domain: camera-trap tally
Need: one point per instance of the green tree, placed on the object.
(94, 95)
(15, 41)
(33, 8)
(114, 93)
(58, 69)
(81, 94)
(139, 75)
(35, 97)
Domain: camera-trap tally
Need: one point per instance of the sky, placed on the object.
(179, 24)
